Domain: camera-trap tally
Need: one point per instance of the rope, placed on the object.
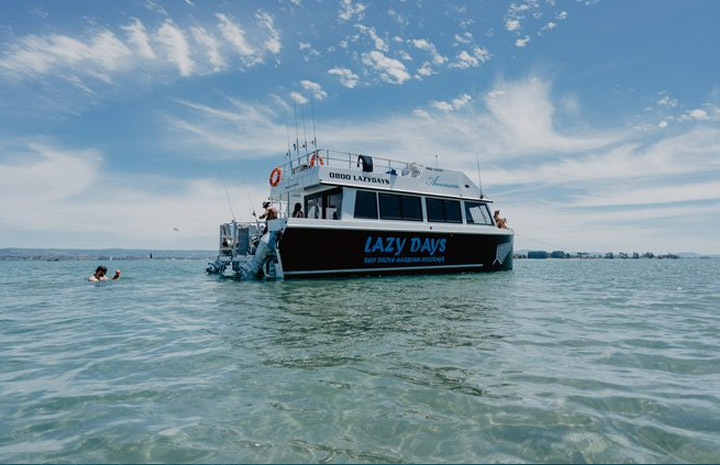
(558, 247)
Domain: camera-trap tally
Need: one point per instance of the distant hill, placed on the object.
(102, 254)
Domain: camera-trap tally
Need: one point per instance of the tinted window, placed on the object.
(477, 213)
(411, 208)
(452, 211)
(435, 210)
(390, 207)
(366, 205)
(443, 210)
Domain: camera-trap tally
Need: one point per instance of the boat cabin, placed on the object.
(343, 187)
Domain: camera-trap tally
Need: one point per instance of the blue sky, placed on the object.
(597, 123)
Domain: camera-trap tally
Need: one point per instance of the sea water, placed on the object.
(556, 361)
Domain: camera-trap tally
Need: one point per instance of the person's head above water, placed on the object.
(102, 269)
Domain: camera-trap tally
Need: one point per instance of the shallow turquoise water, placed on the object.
(556, 361)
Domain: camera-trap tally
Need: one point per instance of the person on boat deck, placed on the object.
(500, 222)
(298, 213)
(271, 213)
(100, 273)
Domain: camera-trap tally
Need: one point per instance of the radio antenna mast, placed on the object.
(477, 158)
(297, 140)
(287, 131)
(312, 110)
(302, 111)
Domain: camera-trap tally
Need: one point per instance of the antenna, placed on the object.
(477, 158)
(297, 141)
(227, 194)
(287, 131)
(312, 110)
(302, 111)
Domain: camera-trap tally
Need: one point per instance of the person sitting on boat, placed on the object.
(100, 273)
(271, 213)
(298, 213)
(500, 222)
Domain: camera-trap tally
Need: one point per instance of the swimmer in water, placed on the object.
(100, 273)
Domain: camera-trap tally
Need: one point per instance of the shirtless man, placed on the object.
(271, 213)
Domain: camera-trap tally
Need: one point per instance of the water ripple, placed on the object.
(557, 361)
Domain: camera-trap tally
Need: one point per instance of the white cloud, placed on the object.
(33, 55)
(465, 60)
(464, 38)
(348, 9)
(235, 35)
(442, 106)
(314, 88)
(455, 104)
(666, 101)
(176, 45)
(347, 77)
(461, 101)
(57, 190)
(370, 31)
(298, 97)
(512, 25)
(391, 70)
(272, 44)
(139, 38)
(698, 114)
(663, 124)
(426, 45)
(211, 44)
(522, 42)
(425, 70)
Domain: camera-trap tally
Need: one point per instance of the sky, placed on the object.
(147, 123)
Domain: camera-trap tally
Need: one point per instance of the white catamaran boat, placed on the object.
(364, 216)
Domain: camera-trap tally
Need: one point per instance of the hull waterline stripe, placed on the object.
(396, 268)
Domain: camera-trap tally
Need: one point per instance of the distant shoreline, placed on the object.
(13, 254)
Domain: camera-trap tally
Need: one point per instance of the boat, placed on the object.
(364, 215)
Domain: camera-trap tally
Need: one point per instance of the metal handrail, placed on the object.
(338, 159)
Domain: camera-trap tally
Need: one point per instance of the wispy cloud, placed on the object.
(176, 47)
(57, 189)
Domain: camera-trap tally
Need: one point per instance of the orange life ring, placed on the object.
(275, 176)
(316, 158)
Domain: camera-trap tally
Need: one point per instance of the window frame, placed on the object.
(468, 217)
(444, 207)
(401, 203)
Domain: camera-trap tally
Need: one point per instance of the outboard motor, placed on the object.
(216, 267)
(265, 252)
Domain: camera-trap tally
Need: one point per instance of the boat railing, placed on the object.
(347, 160)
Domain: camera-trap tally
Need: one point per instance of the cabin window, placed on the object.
(390, 207)
(477, 213)
(326, 205)
(411, 208)
(443, 210)
(366, 205)
(400, 207)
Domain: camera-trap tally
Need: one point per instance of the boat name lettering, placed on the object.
(397, 245)
(357, 177)
(435, 181)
